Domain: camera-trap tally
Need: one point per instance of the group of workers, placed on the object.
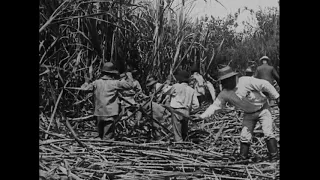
(251, 93)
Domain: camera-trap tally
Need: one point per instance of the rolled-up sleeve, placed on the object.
(264, 86)
(218, 104)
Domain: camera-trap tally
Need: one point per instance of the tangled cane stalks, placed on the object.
(209, 152)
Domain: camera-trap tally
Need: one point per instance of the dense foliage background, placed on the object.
(77, 36)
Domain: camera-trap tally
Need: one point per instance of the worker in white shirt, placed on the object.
(183, 100)
(246, 94)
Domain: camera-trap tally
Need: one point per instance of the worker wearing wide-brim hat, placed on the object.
(154, 86)
(159, 113)
(249, 71)
(130, 95)
(266, 71)
(183, 100)
(245, 93)
(265, 58)
(106, 98)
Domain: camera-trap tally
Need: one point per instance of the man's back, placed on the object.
(106, 95)
(267, 72)
(183, 96)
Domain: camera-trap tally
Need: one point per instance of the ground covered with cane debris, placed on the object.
(209, 152)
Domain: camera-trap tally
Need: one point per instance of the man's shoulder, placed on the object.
(265, 66)
(245, 78)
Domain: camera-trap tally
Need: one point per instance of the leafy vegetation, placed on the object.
(77, 36)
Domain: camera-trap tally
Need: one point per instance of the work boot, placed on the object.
(244, 152)
(273, 149)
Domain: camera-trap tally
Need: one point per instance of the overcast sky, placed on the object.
(211, 7)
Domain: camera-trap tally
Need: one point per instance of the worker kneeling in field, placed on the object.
(158, 111)
(183, 100)
(246, 93)
(130, 94)
(106, 90)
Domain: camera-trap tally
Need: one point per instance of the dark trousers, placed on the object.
(106, 126)
(180, 125)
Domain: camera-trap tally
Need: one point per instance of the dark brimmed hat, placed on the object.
(151, 81)
(182, 76)
(108, 67)
(264, 58)
(225, 73)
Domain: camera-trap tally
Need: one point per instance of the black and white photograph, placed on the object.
(159, 89)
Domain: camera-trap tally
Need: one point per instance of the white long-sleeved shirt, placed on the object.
(247, 96)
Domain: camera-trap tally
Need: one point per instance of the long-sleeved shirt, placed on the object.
(267, 72)
(198, 83)
(183, 96)
(247, 96)
(106, 94)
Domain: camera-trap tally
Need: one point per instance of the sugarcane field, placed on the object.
(159, 89)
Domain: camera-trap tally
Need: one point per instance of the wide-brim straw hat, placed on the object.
(182, 76)
(109, 67)
(225, 73)
(264, 57)
(151, 81)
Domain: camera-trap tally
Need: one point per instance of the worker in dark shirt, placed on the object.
(267, 72)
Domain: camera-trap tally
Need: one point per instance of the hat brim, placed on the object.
(227, 76)
(151, 83)
(264, 59)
